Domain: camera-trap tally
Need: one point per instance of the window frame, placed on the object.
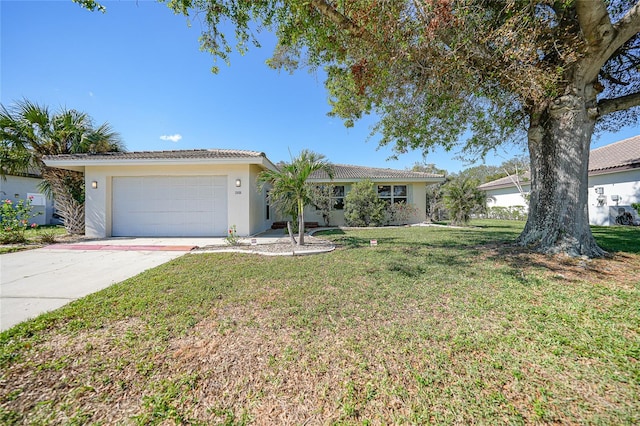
(338, 200)
(393, 196)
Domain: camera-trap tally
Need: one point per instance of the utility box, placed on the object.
(623, 215)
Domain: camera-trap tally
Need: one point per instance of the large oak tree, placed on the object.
(434, 71)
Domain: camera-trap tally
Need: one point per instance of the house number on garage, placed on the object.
(238, 192)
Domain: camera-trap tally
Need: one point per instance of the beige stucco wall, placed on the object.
(258, 212)
(240, 204)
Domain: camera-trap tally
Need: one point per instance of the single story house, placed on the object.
(204, 192)
(614, 183)
(27, 186)
(393, 186)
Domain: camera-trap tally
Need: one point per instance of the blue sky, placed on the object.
(139, 67)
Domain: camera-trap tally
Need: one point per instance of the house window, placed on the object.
(393, 193)
(338, 197)
(333, 194)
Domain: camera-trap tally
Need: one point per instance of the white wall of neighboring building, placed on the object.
(17, 188)
(624, 184)
(507, 197)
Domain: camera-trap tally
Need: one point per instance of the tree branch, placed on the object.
(594, 22)
(625, 28)
(604, 39)
(344, 23)
(607, 106)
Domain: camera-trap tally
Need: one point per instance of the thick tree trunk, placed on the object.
(559, 142)
(67, 187)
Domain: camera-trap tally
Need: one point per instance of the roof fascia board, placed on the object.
(79, 165)
(619, 169)
(504, 185)
(378, 180)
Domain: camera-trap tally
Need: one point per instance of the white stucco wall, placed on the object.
(17, 188)
(241, 200)
(507, 197)
(625, 184)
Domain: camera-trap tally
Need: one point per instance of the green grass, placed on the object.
(618, 238)
(35, 238)
(432, 325)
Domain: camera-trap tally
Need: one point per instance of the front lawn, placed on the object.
(432, 325)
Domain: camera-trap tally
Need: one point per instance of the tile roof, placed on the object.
(348, 172)
(506, 181)
(161, 155)
(618, 155)
(621, 155)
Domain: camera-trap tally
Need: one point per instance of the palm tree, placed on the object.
(462, 197)
(29, 132)
(289, 191)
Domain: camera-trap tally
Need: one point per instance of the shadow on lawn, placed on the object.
(618, 238)
(442, 238)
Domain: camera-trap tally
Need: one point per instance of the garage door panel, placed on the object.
(169, 206)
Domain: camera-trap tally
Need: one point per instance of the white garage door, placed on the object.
(169, 206)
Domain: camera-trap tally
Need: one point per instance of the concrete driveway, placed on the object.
(36, 281)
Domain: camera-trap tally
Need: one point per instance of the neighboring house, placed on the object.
(393, 186)
(614, 182)
(205, 192)
(21, 187)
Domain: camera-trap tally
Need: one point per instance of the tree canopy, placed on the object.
(435, 71)
(289, 191)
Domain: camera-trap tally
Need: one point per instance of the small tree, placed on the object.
(290, 192)
(321, 198)
(362, 207)
(436, 207)
(462, 198)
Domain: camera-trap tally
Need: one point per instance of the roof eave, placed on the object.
(623, 168)
(80, 164)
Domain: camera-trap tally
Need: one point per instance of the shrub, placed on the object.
(321, 198)
(362, 207)
(400, 213)
(14, 220)
(507, 213)
(636, 206)
(463, 198)
(232, 237)
(47, 236)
